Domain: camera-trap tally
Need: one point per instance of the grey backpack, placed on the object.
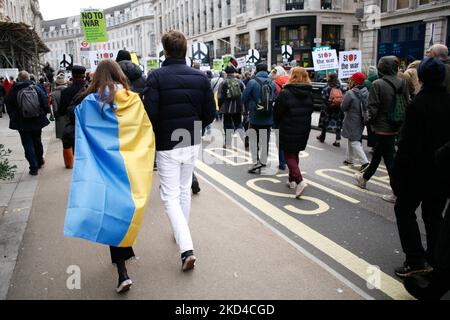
(28, 102)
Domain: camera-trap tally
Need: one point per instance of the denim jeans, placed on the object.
(32, 144)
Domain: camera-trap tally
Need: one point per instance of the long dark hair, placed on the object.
(333, 80)
(108, 74)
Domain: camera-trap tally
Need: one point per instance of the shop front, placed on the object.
(405, 41)
(298, 32)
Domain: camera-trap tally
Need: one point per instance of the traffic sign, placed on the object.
(84, 45)
(253, 56)
(317, 40)
(199, 51)
(287, 52)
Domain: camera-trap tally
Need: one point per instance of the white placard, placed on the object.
(350, 62)
(242, 62)
(96, 56)
(325, 60)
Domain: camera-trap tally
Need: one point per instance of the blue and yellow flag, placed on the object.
(113, 171)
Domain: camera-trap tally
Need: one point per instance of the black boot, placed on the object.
(125, 282)
(427, 288)
(195, 185)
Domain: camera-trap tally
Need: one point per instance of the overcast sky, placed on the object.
(52, 9)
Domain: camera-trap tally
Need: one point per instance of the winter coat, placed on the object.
(412, 79)
(60, 121)
(353, 125)
(447, 74)
(226, 105)
(381, 97)
(330, 118)
(425, 130)
(442, 161)
(17, 122)
(8, 85)
(280, 82)
(293, 109)
(2, 91)
(175, 97)
(134, 75)
(251, 96)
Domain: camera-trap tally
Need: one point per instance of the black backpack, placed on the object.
(28, 102)
(267, 97)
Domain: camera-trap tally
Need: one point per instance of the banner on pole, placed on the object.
(325, 60)
(350, 62)
(93, 22)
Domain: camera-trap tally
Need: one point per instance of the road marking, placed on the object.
(352, 262)
(326, 189)
(322, 206)
(384, 179)
(302, 250)
(315, 148)
(349, 185)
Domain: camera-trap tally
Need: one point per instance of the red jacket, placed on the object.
(8, 85)
(280, 82)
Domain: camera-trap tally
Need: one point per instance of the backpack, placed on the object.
(397, 109)
(233, 89)
(267, 97)
(336, 98)
(28, 102)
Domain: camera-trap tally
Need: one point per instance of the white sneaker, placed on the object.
(300, 189)
(291, 185)
(360, 181)
(390, 198)
(124, 286)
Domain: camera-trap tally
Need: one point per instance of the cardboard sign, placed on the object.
(325, 60)
(96, 56)
(350, 62)
(93, 22)
(242, 62)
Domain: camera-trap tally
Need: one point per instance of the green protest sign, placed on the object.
(94, 25)
(218, 65)
(152, 63)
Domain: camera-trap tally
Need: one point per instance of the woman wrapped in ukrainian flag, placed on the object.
(113, 171)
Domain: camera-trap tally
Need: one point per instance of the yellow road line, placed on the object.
(355, 264)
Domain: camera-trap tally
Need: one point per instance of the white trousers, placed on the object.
(176, 168)
(355, 151)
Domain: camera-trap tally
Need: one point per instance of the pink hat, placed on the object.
(358, 78)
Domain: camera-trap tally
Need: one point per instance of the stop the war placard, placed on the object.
(349, 63)
(96, 56)
(94, 25)
(325, 60)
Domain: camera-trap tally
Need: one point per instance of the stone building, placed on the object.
(130, 27)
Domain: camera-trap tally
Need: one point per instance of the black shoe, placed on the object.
(195, 187)
(41, 163)
(347, 163)
(321, 139)
(408, 271)
(337, 144)
(34, 172)
(364, 167)
(188, 260)
(124, 285)
(256, 168)
(423, 288)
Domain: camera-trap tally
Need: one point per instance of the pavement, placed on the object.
(240, 255)
(16, 199)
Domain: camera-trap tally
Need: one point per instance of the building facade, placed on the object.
(235, 26)
(130, 27)
(406, 29)
(22, 11)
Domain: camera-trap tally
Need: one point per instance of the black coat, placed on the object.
(425, 131)
(293, 109)
(68, 94)
(175, 97)
(17, 122)
(134, 75)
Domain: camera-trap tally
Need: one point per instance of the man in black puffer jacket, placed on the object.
(180, 103)
(132, 71)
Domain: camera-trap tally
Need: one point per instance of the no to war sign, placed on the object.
(349, 63)
(94, 25)
(325, 60)
(96, 56)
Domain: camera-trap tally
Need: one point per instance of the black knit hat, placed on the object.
(123, 55)
(78, 70)
(431, 72)
(230, 69)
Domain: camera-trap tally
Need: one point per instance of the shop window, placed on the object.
(402, 4)
(331, 35)
(295, 36)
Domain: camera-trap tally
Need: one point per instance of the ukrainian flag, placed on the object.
(113, 171)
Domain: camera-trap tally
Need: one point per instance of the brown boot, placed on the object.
(68, 158)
